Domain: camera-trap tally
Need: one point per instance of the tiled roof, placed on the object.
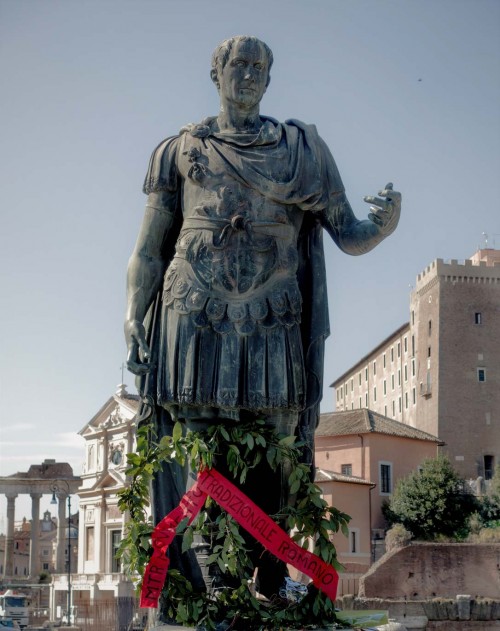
(330, 476)
(364, 421)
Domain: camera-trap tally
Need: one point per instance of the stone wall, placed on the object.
(423, 571)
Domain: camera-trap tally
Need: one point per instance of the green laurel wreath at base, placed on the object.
(310, 519)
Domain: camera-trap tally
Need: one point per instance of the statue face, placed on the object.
(244, 78)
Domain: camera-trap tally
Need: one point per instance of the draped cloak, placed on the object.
(287, 164)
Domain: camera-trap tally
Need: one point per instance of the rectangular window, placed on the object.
(385, 478)
(478, 318)
(406, 400)
(428, 351)
(366, 374)
(353, 540)
(359, 378)
(429, 329)
(116, 537)
(346, 469)
(385, 410)
(341, 391)
(412, 367)
(392, 381)
(385, 387)
(400, 405)
(414, 395)
(45, 566)
(383, 359)
(489, 467)
(374, 394)
(374, 368)
(406, 372)
(45, 552)
(89, 543)
(392, 353)
(481, 374)
(360, 403)
(399, 376)
(413, 345)
(399, 349)
(366, 399)
(352, 385)
(406, 344)
(413, 317)
(393, 408)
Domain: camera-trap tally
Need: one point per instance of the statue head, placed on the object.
(222, 54)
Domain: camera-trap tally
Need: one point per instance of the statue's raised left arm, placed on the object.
(355, 236)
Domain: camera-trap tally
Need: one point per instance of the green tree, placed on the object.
(432, 502)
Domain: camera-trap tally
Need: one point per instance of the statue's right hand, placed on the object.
(139, 352)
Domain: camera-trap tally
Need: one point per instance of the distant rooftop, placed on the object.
(365, 421)
(48, 469)
(322, 475)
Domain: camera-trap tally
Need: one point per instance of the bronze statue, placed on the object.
(227, 308)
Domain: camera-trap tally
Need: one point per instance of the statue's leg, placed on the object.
(270, 491)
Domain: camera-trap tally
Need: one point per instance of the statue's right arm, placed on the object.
(145, 274)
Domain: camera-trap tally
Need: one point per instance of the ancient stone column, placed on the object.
(35, 535)
(9, 539)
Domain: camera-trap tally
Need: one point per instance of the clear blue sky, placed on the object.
(406, 91)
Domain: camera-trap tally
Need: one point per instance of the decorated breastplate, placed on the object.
(236, 256)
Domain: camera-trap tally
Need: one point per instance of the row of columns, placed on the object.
(34, 564)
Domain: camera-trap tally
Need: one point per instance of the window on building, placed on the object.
(481, 374)
(374, 394)
(478, 317)
(116, 537)
(374, 368)
(385, 478)
(353, 540)
(429, 327)
(400, 405)
(413, 317)
(406, 372)
(385, 387)
(406, 344)
(399, 349)
(406, 400)
(392, 381)
(45, 566)
(366, 374)
(383, 359)
(359, 378)
(360, 403)
(352, 384)
(414, 395)
(45, 552)
(89, 543)
(428, 351)
(489, 467)
(341, 391)
(399, 376)
(366, 399)
(413, 345)
(91, 457)
(346, 469)
(412, 367)
(392, 353)
(393, 408)
(385, 410)
(352, 405)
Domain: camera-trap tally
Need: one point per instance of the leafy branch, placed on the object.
(244, 446)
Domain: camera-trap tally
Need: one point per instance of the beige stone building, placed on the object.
(440, 372)
(109, 436)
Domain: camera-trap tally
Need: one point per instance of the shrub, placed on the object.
(397, 537)
(433, 502)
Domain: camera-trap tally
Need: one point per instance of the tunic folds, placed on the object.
(246, 273)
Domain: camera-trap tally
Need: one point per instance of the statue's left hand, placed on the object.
(385, 212)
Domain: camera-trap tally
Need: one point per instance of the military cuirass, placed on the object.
(236, 255)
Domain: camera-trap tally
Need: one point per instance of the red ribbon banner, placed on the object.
(249, 516)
